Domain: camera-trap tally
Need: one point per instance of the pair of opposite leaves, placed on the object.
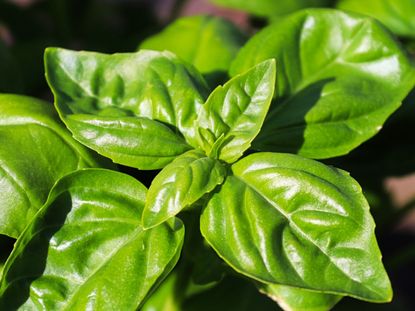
(87, 100)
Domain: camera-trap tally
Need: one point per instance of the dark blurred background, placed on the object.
(27, 27)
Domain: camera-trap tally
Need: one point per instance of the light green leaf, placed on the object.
(339, 77)
(296, 222)
(86, 248)
(209, 43)
(150, 84)
(179, 185)
(398, 16)
(138, 142)
(233, 114)
(271, 7)
(299, 299)
(35, 151)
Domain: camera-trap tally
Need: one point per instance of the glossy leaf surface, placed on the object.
(271, 7)
(35, 151)
(150, 84)
(299, 299)
(398, 16)
(233, 114)
(138, 142)
(86, 248)
(285, 219)
(209, 43)
(339, 77)
(179, 185)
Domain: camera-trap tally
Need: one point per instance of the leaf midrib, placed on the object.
(294, 225)
(315, 77)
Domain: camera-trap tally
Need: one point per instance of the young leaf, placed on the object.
(35, 151)
(209, 43)
(299, 299)
(296, 222)
(398, 16)
(179, 185)
(340, 76)
(86, 248)
(233, 114)
(150, 84)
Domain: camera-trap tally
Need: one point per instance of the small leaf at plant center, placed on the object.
(235, 112)
(180, 184)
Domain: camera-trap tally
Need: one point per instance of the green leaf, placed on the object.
(208, 268)
(165, 297)
(179, 185)
(293, 221)
(233, 114)
(209, 43)
(299, 299)
(271, 7)
(230, 294)
(149, 84)
(35, 151)
(86, 248)
(138, 142)
(398, 16)
(340, 76)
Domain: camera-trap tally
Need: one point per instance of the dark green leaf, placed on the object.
(339, 77)
(398, 16)
(293, 221)
(233, 114)
(208, 268)
(271, 7)
(230, 294)
(209, 43)
(86, 248)
(179, 185)
(150, 84)
(35, 151)
(299, 299)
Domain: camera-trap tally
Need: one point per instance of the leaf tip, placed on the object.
(149, 219)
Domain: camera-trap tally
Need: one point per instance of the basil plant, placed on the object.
(238, 158)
